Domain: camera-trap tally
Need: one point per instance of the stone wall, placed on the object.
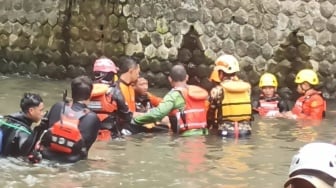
(62, 38)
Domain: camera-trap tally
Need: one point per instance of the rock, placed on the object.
(222, 31)
(193, 15)
(240, 16)
(175, 27)
(227, 15)
(216, 14)
(324, 37)
(304, 51)
(162, 26)
(173, 53)
(331, 24)
(155, 66)
(156, 39)
(319, 24)
(205, 16)
(233, 4)
(327, 9)
(180, 14)
(184, 55)
(163, 52)
(185, 28)
(235, 32)
(247, 33)
(318, 53)
(150, 51)
(228, 46)
(254, 19)
(241, 48)
(215, 44)
(267, 51)
(261, 37)
(253, 50)
(269, 21)
(283, 21)
(272, 6)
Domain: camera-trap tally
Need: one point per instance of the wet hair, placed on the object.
(178, 73)
(30, 100)
(126, 63)
(81, 88)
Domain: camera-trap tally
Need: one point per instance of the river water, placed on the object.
(163, 160)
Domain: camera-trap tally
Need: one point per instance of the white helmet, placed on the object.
(315, 156)
(227, 63)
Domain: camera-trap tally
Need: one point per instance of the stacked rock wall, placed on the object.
(62, 38)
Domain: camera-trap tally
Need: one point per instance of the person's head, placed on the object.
(226, 67)
(104, 70)
(129, 69)
(32, 105)
(268, 84)
(314, 166)
(141, 85)
(81, 88)
(305, 80)
(178, 74)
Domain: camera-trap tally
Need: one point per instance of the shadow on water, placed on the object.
(161, 160)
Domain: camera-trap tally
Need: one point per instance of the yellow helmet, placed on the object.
(227, 63)
(268, 79)
(307, 75)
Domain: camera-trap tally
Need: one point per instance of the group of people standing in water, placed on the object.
(116, 102)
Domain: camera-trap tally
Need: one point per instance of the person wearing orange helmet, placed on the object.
(107, 100)
(269, 103)
(311, 104)
(230, 110)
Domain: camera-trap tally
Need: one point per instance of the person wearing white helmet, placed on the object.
(269, 103)
(229, 113)
(107, 100)
(311, 104)
(314, 166)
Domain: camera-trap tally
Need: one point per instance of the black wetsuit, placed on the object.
(19, 139)
(89, 125)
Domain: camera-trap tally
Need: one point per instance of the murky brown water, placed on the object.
(161, 160)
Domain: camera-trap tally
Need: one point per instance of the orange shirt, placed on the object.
(128, 92)
(310, 106)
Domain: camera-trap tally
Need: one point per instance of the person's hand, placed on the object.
(289, 115)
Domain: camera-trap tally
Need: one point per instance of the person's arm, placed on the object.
(283, 105)
(154, 100)
(173, 100)
(54, 114)
(122, 109)
(89, 126)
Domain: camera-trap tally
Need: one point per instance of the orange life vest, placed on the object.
(310, 106)
(129, 95)
(101, 102)
(193, 116)
(65, 135)
(266, 106)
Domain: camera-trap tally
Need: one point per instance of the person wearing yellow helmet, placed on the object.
(230, 111)
(269, 103)
(311, 104)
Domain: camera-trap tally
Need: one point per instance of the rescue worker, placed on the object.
(73, 127)
(311, 104)
(313, 167)
(185, 106)
(129, 73)
(269, 103)
(17, 137)
(230, 109)
(107, 100)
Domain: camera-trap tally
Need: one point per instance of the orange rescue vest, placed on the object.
(193, 116)
(101, 102)
(65, 135)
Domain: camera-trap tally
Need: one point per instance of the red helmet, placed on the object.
(104, 65)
